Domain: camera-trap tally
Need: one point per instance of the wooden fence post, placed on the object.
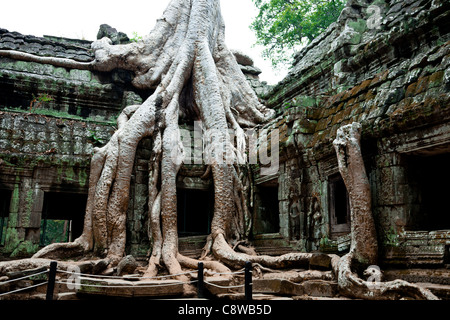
(200, 283)
(51, 280)
(248, 281)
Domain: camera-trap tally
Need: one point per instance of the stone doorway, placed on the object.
(5, 199)
(195, 211)
(62, 217)
(429, 182)
(339, 206)
(267, 219)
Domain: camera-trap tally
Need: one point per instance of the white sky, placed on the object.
(82, 19)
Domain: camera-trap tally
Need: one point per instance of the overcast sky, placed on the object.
(81, 19)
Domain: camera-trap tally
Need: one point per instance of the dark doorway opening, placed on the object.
(268, 212)
(5, 199)
(339, 206)
(428, 178)
(195, 211)
(62, 217)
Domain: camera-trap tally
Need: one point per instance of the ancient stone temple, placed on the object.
(393, 78)
(51, 119)
(384, 64)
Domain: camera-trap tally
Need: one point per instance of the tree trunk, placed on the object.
(185, 60)
(364, 245)
(187, 64)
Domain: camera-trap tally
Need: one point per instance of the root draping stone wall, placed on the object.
(385, 64)
(394, 80)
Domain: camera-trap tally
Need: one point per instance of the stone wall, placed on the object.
(41, 154)
(394, 81)
(75, 49)
(391, 74)
(72, 93)
(51, 118)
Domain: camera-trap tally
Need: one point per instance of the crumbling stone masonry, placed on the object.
(393, 78)
(51, 118)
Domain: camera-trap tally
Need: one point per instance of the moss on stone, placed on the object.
(83, 177)
(24, 249)
(28, 206)
(12, 239)
(63, 115)
(435, 79)
(422, 85)
(359, 25)
(411, 90)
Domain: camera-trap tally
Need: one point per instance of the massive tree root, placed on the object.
(186, 64)
(364, 248)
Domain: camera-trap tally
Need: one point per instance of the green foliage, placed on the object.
(95, 139)
(54, 231)
(391, 238)
(300, 101)
(283, 25)
(3, 227)
(324, 241)
(135, 37)
(42, 98)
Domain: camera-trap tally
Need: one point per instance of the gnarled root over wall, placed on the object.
(185, 63)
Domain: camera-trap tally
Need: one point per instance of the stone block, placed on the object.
(320, 261)
(67, 296)
(78, 148)
(4, 144)
(88, 148)
(283, 192)
(65, 148)
(214, 285)
(388, 160)
(128, 289)
(4, 134)
(315, 288)
(127, 265)
(80, 75)
(283, 208)
(413, 75)
(344, 242)
(54, 136)
(284, 225)
(436, 79)
(391, 186)
(277, 286)
(415, 255)
(440, 236)
(320, 288)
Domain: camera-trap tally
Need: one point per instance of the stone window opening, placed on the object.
(267, 219)
(5, 199)
(429, 190)
(62, 217)
(339, 206)
(195, 211)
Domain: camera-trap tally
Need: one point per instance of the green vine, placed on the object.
(95, 139)
(135, 37)
(42, 98)
(391, 238)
